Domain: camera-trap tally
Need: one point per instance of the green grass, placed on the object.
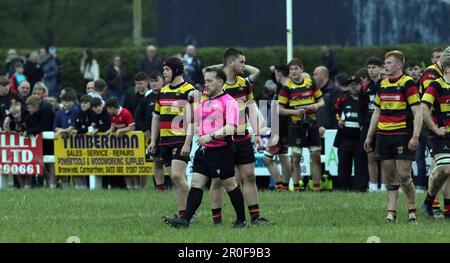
(134, 216)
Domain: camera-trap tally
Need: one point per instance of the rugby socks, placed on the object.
(296, 187)
(193, 202)
(411, 211)
(447, 208)
(254, 212)
(436, 204)
(217, 215)
(279, 186)
(181, 213)
(285, 186)
(430, 199)
(237, 199)
(160, 188)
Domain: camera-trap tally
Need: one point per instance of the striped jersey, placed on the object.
(437, 97)
(299, 95)
(394, 98)
(241, 90)
(431, 73)
(170, 107)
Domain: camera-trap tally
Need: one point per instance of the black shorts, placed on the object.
(300, 137)
(244, 153)
(393, 147)
(440, 145)
(214, 162)
(172, 152)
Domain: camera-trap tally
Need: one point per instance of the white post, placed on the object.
(95, 182)
(289, 46)
(3, 181)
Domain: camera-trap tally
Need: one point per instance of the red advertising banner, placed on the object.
(20, 155)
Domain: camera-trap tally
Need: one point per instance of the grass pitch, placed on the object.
(43, 215)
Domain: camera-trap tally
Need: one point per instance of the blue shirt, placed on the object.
(65, 119)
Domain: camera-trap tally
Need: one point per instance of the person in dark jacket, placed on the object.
(40, 119)
(150, 62)
(347, 139)
(101, 120)
(85, 116)
(33, 70)
(116, 77)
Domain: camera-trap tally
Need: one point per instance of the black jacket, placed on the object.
(116, 81)
(83, 121)
(132, 101)
(42, 120)
(144, 112)
(33, 72)
(102, 121)
(326, 115)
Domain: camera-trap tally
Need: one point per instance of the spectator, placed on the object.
(16, 78)
(16, 123)
(11, 59)
(193, 66)
(330, 92)
(33, 70)
(116, 78)
(23, 91)
(89, 87)
(347, 139)
(67, 90)
(40, 90)
(51, 70)
(101, 121)
(100, 90)
(54, 53)
(41, 119)
(329, 60)
(89, 67)
(6, 98)
(63, 126)
(121, 122)
(151, 62)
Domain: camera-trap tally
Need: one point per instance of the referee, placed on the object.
(217, 119)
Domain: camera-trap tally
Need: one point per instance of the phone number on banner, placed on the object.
(20, 169)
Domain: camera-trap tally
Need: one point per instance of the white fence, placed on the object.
(329, 159)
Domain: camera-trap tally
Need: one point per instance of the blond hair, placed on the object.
(33, 100)
(397, 54)
(40, 86)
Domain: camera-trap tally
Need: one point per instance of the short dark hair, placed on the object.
(95, 102)
(231, 53)
(342, 79)
(283, 68)
(100, 85)
(412, 64)
(70, 90)
(374, 61)
(141, 76)
(438, 49)
(362, 73)
(112, 102)
(155, 74)
(220, 74)
(295, 62)
(68, 96)
(87, 99)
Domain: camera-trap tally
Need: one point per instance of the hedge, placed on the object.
(349, 59)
